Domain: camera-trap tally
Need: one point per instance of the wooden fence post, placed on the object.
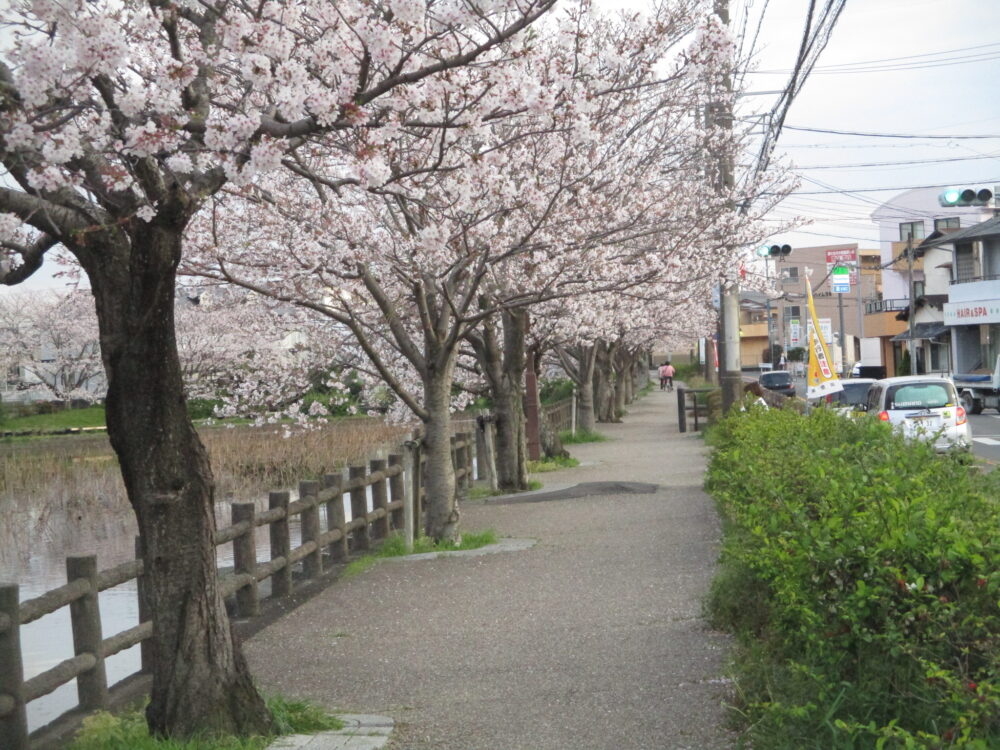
(13, 717)
(467, 460)
(312, 564)
(281, 543)
(85, 619)
(418, 487)
(147, 653)
(335, 516)
(245, 560)
(359, 509)
(380, 499)
(456, 465)
(411, 460)
(481, 469)
(488, 465)
(396, 491)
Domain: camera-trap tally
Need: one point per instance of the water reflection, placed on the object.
(34, 543)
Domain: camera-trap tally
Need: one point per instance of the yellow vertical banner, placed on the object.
(821, 377)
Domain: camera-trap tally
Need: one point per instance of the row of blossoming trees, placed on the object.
(424, 190)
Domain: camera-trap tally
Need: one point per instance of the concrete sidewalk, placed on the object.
(591, 639)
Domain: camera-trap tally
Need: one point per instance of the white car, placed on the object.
(923, 407)
(851, 399)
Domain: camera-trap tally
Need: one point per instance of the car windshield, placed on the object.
(776, 378)
(919, 396)
(853, 393)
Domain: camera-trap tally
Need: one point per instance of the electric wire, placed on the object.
(890, 135)
(894, 163)
(919, 60)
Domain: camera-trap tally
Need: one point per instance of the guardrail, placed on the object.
(697, 410)
(398, 501)
(873, 307)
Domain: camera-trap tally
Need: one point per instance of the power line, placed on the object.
(906, 62)
(895, 163)
(887, 135)
(881, 190)
(944, 63)
(910, 57)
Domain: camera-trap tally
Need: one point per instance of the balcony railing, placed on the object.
(972, 279)
(875, 306)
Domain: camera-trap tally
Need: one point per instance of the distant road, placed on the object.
(986, 435)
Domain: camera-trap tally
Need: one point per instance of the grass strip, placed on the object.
(582, 436)
(395, 546)
(552, 463)
(128, 731)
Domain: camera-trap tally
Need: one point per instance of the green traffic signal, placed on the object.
(959, 197)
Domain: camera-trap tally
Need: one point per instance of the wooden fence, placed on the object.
(398, 501)
(559, 415)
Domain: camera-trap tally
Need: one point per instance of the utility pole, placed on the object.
(730, 373)
(912, 305)
(843, 336)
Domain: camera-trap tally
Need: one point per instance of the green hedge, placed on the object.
(861, 576)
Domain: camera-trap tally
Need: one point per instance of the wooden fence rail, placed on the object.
(319, 546)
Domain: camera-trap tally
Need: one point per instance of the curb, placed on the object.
(504, 545)
(360, 732)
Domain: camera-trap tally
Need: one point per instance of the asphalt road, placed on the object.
(986, 435)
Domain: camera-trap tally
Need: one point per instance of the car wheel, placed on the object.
(970, 404)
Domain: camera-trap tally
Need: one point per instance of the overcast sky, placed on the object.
(919, 67)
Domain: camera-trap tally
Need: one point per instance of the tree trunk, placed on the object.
(603, 395)
(619, 361)
(504, 371)
(511, 443)
(585, 396)
(201, 682)
(638, 368)
(442, 507)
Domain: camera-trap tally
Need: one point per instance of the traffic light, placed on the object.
(779, 250)
(964, 196)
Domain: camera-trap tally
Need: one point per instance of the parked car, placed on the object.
(922, 407)
(852, 398)
(779, 381)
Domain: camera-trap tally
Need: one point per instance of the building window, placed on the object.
(950, 223)
(939, 357)
(911, 230)
(965, 263)
(918, 289)
(791, 311)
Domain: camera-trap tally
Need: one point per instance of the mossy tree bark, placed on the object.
(201, 682)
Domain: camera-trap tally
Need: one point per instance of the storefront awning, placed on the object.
(930, 331)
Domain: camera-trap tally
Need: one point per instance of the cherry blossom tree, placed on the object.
(545, 184)
(51, 339)
(117, 121)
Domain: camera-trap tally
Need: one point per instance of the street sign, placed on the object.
(795, 332)
(825, 328)
(840, 279)
(846, 259)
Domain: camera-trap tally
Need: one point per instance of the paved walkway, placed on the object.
(589, 640)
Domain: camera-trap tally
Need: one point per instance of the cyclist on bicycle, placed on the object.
(667, 376)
